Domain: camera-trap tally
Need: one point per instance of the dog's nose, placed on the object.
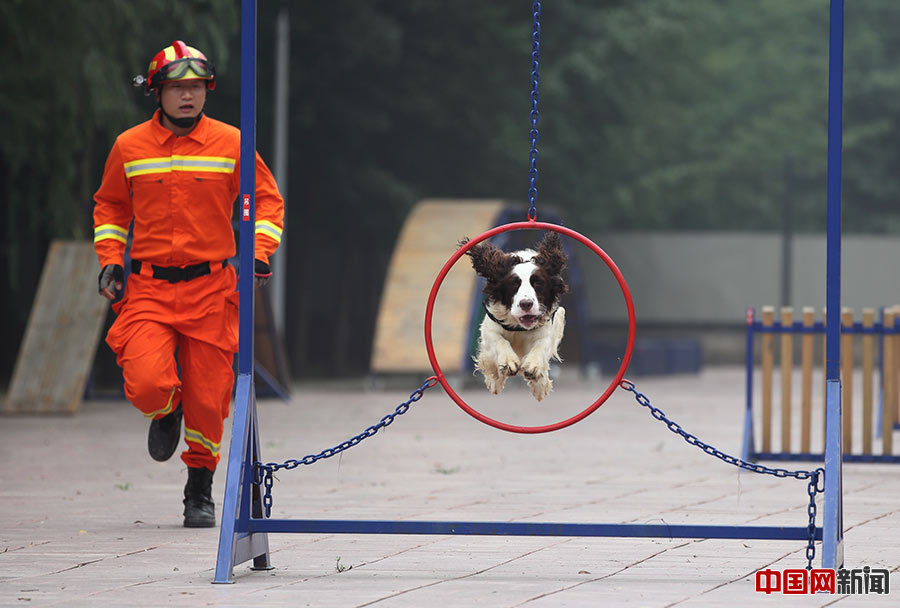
(526, 305)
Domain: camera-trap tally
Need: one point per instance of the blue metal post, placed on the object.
(749, 449)
(236, 545)
(832, 543)
(248, 182)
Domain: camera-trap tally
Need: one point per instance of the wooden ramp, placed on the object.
(63, 331)
(428, 239)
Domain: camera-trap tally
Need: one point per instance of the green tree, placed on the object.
(657, 114)
(66, 70)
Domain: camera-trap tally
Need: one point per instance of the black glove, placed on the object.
(110, 280)
(262, 272)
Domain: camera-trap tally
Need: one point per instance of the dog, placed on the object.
(524, 322)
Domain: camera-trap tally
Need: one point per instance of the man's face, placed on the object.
(183, 98)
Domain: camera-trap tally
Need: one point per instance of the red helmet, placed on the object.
(177, 62)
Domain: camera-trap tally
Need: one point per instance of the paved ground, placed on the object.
(87, 519)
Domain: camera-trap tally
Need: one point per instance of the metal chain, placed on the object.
(813, 489)
(813, 476)
(535, 79)
(263, 473)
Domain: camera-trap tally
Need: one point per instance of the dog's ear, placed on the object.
(558, 285)
(489, 261)
(550, 255)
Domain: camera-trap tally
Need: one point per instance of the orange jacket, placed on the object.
(180, 191)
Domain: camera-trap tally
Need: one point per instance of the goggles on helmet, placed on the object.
(176, 62)
(178, 69)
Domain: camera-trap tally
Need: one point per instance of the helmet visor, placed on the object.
(180, 68)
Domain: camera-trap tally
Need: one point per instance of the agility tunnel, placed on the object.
(430, 235)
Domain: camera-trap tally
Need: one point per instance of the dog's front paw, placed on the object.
(535, 366)
(509, 365)
(494, 383)
(540, 387)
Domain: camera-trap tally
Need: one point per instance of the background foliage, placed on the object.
(655, 115)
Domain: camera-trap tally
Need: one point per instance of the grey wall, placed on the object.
(699, 285)
(712, 278)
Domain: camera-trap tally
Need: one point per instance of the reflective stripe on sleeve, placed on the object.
(269, 229)
(110, 231)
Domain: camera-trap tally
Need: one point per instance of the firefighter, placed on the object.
(176, 177)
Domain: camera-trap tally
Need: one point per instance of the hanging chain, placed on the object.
(535, 79)
(812, 490)
(814, 476)
(263, 473)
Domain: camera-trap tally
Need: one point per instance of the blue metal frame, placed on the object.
(819, 457)
(244, 531)
(833, 541)
(508, 528)
(237, 543)
(748, 448)
(833, 525)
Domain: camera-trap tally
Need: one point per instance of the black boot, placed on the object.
(162, 440)
(199, 509)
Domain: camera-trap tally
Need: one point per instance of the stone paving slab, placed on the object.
(87, 519)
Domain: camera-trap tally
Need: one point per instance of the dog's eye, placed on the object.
(537, 282)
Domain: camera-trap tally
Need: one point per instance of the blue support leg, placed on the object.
(748, 451)
(236, 543)
(833, 526)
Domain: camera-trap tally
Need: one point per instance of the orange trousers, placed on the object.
(191, 325)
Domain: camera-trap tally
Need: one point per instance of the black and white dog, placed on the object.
(524, 322)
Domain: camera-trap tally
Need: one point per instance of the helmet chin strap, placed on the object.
(181, 123)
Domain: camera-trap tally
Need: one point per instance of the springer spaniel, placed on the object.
(524, 322)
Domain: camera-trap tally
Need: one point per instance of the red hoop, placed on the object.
(429, 311)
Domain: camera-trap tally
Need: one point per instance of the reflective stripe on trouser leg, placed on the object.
(207, 378)
(148, 367)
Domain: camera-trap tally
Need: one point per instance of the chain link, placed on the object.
(263, 473)
(813, 476)
(812, 490)
(535, 97)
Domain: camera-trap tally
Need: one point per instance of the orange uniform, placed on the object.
(180, 192)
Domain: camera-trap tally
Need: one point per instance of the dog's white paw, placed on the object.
(494, 383)
(540, 387)
(509, 364)
(535, 366)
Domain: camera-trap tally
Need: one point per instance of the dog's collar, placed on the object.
(504, 325)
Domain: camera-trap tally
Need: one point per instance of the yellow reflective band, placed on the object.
(269, 229)
(197, 437)
(215, 164)
(110, 231)
(208, 164)
(148, 165)
(165, 410)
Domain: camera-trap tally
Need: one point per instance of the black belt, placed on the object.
(175, 274)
